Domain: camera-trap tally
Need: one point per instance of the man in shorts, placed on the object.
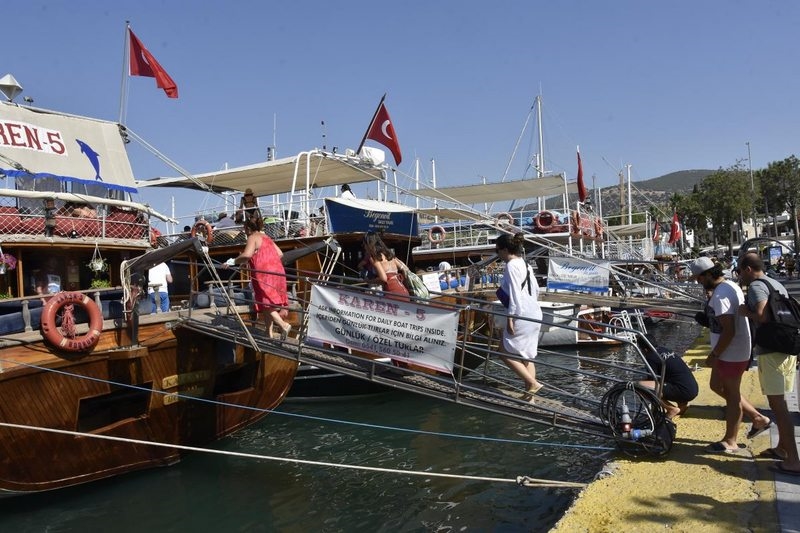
(776, 371)
(730, 352)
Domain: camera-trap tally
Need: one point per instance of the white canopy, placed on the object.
(498, 192)
(306, 170)
(445, 213)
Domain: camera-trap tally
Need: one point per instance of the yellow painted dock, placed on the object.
(690, 490)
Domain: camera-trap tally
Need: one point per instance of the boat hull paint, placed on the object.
(88, 394)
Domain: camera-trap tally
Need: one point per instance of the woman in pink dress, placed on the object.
(267, 276)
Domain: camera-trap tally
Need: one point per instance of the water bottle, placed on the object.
(625, 424)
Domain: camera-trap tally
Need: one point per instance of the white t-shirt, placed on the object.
(158, 274)
(726, 300)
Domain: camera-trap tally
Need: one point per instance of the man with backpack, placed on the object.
(730, 352)
(776, 370)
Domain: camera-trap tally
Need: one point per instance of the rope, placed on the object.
(320, 419)
(524, 481)
(68, 321)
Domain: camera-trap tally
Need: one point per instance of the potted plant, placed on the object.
(100, 283)
(98, 265)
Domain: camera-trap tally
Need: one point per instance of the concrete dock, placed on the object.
(691, 489)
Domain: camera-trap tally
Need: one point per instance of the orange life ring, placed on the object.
(53, 335)
(204, 228)
(505, 216)
(545, 220)
(154, 235)
(436, 230)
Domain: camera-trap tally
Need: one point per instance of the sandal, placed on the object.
(285, 332)
(772, 453)
(755, 432)
(535, 389)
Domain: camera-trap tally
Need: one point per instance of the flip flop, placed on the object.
(534, 390)
(755, 432)
(771, 453)
(719, 447)
(781, 470)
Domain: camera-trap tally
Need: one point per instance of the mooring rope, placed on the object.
(324, 419)
(524, 481)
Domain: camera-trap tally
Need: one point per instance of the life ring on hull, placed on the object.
(203, 228)
(436, 230)
(52, 333)
(509, 220)
(545, 221)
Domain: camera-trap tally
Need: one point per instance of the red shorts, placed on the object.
(729, 369)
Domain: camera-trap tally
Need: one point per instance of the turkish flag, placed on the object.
(382, 131)
(581, 186)
(675, 230)
(144, 64)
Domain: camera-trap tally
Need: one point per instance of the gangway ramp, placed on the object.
(466, 387)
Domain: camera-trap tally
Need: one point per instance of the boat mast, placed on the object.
(630, 207)
(540, 165)
(416, 182)
(433, 184)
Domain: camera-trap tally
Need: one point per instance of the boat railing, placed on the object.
(104, 222)
(21, 315)
(619, 248)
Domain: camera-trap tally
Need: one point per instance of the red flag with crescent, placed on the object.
(581, 185)
(675, 230)
(144, 64)
(381, 130)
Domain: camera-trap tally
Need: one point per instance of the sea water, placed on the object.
(227, 493)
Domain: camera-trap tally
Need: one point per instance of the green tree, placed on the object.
(723, 196)
(780, 182)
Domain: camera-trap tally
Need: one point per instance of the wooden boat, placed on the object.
(119, 371)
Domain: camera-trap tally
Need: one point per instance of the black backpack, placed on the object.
(782, 332)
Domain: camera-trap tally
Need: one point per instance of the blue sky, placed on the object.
(662, 87)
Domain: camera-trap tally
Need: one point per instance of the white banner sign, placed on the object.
(406, 331)
(565, 273)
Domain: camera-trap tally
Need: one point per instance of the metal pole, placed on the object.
(752, 189)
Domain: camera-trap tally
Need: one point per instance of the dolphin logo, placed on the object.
(94, 158)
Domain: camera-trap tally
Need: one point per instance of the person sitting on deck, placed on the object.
(347, 193)
(224, 221)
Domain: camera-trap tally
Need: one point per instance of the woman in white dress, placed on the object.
(519, 293)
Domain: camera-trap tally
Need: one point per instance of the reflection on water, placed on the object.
(224, 493)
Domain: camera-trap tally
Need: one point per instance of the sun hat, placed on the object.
(700, 265)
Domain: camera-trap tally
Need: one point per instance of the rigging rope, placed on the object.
(524, 481)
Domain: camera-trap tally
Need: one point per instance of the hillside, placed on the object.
(653, 191)
(681, 181)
